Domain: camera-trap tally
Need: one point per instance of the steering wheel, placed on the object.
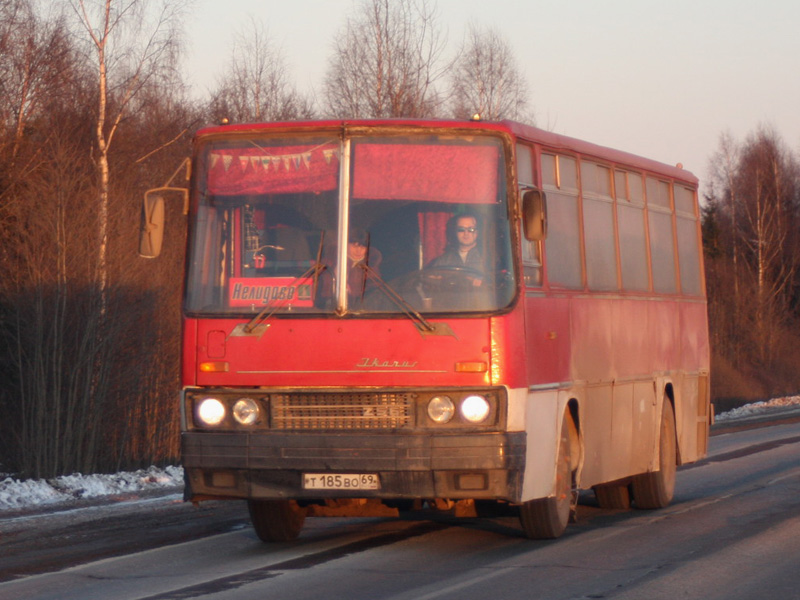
(451, 278)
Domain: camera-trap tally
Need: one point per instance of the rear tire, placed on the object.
(656, 489)
(547, 518)
(276, 520)
(613, 497)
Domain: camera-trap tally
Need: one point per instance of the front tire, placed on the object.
(656, 489)
(276, 520)
(547, 518)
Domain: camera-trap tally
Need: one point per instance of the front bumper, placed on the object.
(410, 465)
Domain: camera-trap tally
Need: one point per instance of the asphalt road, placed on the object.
(732, 532)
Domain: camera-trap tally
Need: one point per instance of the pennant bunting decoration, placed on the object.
(250, 170)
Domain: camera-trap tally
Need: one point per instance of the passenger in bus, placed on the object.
(361, 258)
(463, 250)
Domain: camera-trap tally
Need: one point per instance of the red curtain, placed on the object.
(437, 173)
(432, 231)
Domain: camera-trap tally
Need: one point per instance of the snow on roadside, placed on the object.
(16, 494)
(757, 408)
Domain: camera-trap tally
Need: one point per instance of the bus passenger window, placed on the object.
(598, 224)
(631, 228)
(632, 247)
(531, 251)
(563, 243)
(689, 253)
(662, 251)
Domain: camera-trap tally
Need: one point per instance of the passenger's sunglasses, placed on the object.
(467, 229)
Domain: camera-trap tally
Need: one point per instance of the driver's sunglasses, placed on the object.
(467, 229)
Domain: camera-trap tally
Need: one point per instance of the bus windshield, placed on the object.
(361, 226)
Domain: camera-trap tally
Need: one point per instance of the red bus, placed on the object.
(390, 315)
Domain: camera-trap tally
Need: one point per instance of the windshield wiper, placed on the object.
(270, 309)
(424, 326)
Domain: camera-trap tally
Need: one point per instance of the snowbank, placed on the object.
(16, 494)
(757, 408)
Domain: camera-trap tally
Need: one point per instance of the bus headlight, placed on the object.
(441, 409)
(475, 409)
(246, 411)
(211, 411)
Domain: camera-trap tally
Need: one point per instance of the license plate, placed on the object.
(340, 481)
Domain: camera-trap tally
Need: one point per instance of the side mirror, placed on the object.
(151, 232)
(534, 215)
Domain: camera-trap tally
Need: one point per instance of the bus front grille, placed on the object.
(378, 410)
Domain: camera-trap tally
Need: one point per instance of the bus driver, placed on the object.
(462, 248)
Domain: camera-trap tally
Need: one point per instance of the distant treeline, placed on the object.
(751, 235)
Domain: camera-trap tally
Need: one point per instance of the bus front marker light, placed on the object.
(475, 366)
(475, 408)
(217, 366)
(246, 411)
(441, 409)
(211, 411)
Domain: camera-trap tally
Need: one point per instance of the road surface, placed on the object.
(732, 532)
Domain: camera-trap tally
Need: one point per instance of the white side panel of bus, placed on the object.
(619, 425)
(692, 416)
(543, 420)
(517, 409)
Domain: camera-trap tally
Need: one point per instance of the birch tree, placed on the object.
(256, 86)
(131, 42)
(386, 62)
(753, 212)
(486, 79)
(767, 181)
(724, 264)
(43, 179)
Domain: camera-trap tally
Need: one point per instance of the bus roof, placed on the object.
(519, 130)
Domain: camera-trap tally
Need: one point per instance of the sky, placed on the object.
(659, 79)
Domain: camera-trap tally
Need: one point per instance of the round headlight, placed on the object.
(441, 409)
(245, 411)
(211, 411)
(475, 409)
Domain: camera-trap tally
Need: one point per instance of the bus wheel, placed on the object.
(655, 490)
(276, 520)
(547, 518)
(613, 497)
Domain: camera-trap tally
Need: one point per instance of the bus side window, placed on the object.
(630, 224)
(563, 243)
(598, 227)
(688, 245)
(531, 250)
(662, 244)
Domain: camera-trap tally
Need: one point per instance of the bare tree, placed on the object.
(753, 212)
(257, 87)
(768, 183)
(386, 62)
(44, 268)
(486, 80)
(723, 200)
(87, 386)
(132, 43)
(33, 56)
